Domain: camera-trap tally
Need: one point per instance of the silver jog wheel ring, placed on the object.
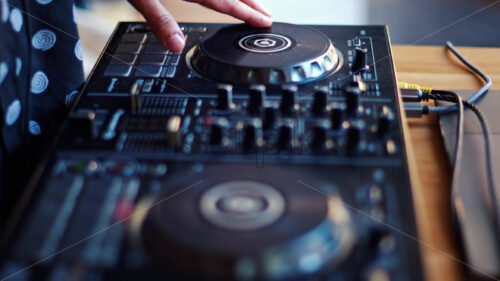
(242, 205)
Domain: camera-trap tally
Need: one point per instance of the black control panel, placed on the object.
(255, 154)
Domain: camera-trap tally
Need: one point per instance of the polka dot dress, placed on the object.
(40, 74)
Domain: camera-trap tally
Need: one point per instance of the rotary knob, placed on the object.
(269, 118)
(336, 118)
(284, 137)
(385, 119)
(320, 102)
(224, 97)
(252, 138)
(218, 132)
(319, 137)
(257, 99)
(288, 95)
(353, 138)
(352, 100)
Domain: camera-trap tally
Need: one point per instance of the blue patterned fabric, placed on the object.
(40, 72)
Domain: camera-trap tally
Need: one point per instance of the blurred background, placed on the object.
(422, 22)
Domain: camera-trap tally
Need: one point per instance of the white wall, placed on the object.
(319, 11)
(292, 11)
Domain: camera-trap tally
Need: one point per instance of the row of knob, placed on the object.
(257, 97)
(253, 135)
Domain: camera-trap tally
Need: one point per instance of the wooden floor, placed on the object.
(435, 67)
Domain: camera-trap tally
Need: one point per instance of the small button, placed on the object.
(120, 70)
(169, 59)
(171, 71)
(155, 49)
(128, 48)
(123, 59)
(133, 38)
(148, 85)
(153, 59)
(175, 60)
(148, 71)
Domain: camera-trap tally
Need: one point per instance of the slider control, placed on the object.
(174, 132)
(135, 98)
(360, 60)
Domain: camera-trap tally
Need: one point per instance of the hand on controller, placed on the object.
(168, 32)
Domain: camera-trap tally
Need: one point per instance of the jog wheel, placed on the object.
(241, 225)
(281, 54)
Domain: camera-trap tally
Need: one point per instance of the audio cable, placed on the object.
(414, 94)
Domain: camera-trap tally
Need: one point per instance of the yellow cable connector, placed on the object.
(404, 85)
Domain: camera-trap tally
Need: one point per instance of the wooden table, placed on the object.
(436, 68)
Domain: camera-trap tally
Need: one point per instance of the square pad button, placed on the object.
(118, 70)
(155, 49)
(133, 38)
(148, 71)
(123, 59)
(153, 59)
(128, 48)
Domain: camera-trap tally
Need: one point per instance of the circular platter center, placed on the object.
(265, 43)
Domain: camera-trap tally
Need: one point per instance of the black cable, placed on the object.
(479, 94)
(457, 159)
(490, 173)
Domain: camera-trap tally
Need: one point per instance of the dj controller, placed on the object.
(255, 154)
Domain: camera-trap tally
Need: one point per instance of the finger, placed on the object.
(238, 10)
(162, 24)
(257, 6)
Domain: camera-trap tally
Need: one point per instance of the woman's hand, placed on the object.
(170, 35)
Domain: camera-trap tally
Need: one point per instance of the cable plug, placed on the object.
(415, 109)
